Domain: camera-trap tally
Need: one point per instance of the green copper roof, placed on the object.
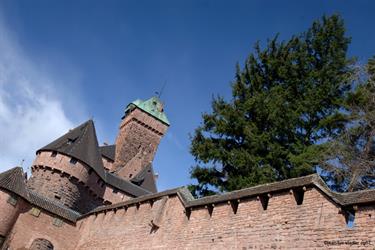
(152, 106)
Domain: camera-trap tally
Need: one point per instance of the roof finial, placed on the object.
(22, 161)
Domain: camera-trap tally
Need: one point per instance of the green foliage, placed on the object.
(286, 99)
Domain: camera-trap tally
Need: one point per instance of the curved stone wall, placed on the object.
(71, 182)
(67, 180)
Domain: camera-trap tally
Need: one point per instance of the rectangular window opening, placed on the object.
(73, 160)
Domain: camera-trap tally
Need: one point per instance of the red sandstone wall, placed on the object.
(316, 224)
(77, 186)
(8, 213)
(74, 185)
(137, 142)
(28, 228)
(113, 195)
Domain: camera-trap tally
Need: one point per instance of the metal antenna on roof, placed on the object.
(158, 93)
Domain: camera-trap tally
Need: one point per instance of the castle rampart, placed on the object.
(243, 219)
(320, 221)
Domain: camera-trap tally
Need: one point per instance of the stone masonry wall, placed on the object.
(137, 142)
(30, 228)
(315, 224)
(8, 212)
(74, 185)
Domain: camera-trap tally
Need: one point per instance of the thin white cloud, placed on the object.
(31, 112)
(171, 138)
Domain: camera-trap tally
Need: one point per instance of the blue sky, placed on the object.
(63, 62)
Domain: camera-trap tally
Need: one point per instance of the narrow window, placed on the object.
(73, 160)
(12, 200)
(234, 205)
(349, 218)
(53, 154)
(298, 195)
(264, 201)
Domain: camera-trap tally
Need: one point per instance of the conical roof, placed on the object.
(82, 144)
(14, 180)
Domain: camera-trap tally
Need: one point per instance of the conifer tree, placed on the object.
(349, 159)
(286, 99)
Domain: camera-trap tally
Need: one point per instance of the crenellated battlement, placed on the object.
(173, 219)
(237, 220)
(263, 194)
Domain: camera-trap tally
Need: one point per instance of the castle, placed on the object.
(85, 196)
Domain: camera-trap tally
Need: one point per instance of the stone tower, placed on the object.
(141, 130)
(67, 169)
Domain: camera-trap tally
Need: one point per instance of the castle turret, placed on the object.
(67, 169)
(141, 130)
